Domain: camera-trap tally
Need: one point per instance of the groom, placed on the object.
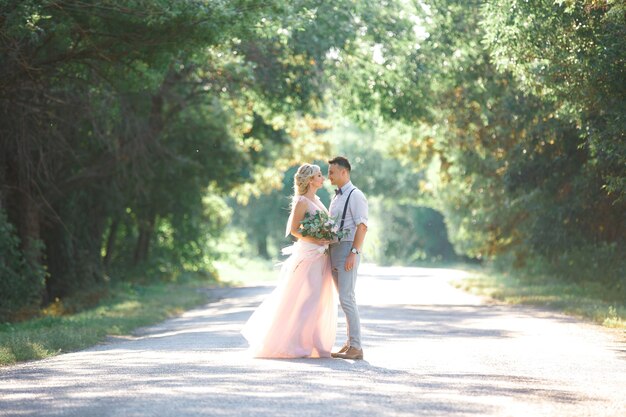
(345, 255)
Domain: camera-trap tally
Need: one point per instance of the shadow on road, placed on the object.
(449, 358)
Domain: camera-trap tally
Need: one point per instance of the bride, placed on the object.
(299, 318)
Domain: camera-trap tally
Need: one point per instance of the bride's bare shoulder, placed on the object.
(299, 201)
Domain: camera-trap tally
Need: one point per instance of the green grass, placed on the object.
(586, 300)
(127, 307)
(248, 271)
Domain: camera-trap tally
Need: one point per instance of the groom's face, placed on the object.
(336, 174)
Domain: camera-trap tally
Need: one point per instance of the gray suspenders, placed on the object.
(345, 209)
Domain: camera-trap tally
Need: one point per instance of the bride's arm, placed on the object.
(298, 214)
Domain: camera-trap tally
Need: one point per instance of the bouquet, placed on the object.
(321, 226)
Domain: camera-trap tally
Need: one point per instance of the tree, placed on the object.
(570, 54)
(517, 107)
(120, 118)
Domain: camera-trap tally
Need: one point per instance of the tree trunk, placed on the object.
(23, 212)
(111, 241)
(3, 168)
(29, 230)
(261, 245)
(146, 228)
(146, 225)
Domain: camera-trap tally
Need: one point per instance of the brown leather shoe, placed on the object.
(342, 350)
(351, 353)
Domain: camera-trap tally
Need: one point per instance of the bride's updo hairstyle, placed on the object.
(303, 178)
(301, 181)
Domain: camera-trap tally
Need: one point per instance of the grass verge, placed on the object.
(586, 300)
(127, 307)
(248, 271)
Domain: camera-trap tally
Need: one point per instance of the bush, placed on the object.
(602, 266)
(21, 284)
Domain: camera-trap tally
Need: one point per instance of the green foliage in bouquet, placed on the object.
(321, 226)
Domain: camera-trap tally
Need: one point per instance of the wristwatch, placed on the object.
(355, 251)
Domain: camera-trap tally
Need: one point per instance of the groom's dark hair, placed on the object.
(342, 162)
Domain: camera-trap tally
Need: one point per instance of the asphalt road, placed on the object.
(429, 349)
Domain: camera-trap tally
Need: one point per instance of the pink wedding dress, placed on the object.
(299, 318)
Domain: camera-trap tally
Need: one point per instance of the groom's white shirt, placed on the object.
(357, 209)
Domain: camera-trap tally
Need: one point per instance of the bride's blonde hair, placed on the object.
(301, 181)
(303, 177)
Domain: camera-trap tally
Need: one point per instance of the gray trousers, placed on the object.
(345, 281)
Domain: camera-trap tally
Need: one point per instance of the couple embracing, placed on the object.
(299, 318)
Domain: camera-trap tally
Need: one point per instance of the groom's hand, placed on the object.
(350, 261)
